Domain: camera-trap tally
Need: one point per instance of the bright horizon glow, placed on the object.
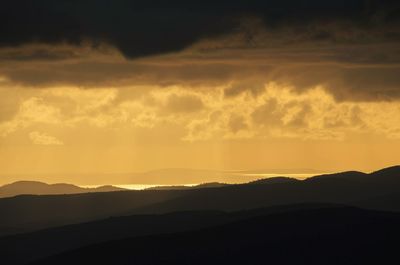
(228, 177)
(253, 177)
(137, 186)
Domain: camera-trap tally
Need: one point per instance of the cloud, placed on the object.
(43, 52)
(239, 70)
(237, 123)
(32, 110)
(184, 103)
(275, 112)
(44, 139)
(282, 113)
(8, 108)
(268, 114)
(351, 48)
(137, 28)
(36, 110)
(237, 88)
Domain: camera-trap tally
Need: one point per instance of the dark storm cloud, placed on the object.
(345, 81)
(361, 83)
(142, 28)
(351, 48)
(41, 54)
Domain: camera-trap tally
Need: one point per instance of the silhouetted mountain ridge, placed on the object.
(49, 242)
(41, 188)
(393, 171)
(376, 191)
(341, 235)
(384, 178)
(199, 186)
(346, 175)
(273, 180)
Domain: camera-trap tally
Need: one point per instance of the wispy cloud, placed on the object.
(44, 139)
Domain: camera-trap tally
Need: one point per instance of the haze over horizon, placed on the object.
(172, 176)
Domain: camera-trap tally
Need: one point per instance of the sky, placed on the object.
(107, 87)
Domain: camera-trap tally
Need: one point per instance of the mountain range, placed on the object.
(40, 188)
(325, 219)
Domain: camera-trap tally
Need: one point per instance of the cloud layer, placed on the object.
(137, 28)
(275, 112)
(349, 47)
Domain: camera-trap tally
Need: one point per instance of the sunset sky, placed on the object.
(121, 88)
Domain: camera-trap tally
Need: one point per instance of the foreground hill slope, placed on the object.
(24, 248)
(341, 235)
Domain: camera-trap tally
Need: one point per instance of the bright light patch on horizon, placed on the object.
(137, 186)
(241, 179)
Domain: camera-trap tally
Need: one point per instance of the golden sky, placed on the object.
(217, 104)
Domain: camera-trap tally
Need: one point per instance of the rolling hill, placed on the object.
(23, 248)
(40, 188)
(378, 190)
(338, 235)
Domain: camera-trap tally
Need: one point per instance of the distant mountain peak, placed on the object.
(350, 175)
(389, 170)
(274, 180)
(41, 188)
(182, 187)
(26, 182)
